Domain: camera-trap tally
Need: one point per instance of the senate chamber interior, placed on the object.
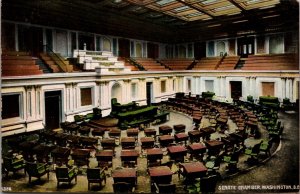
(150, 96)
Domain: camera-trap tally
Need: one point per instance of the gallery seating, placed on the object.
(272, 62)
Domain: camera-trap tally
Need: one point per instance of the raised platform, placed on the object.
(105, 122)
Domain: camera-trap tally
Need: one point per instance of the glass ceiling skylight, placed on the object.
(164, 2)
(190, 10)
(183, 8)
(194, 14)
(254, 1)
(224, 8)
(208, 2)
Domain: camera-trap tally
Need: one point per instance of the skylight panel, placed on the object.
(254, 1)
(224, 8)
(183, 8)
(208, 2)
(164, 2)
(194, 14)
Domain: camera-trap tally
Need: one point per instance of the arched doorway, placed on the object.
(220, 48)
(116, 92)
(138, 50)
(106, 44)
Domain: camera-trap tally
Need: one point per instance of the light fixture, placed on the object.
(271, 16)
(267, 7)
(240, 21)
(214, 25)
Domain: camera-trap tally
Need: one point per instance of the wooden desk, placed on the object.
(177, 153)
(88, 141)
(214, 146)
(98, 131)
(114, 132)
(207, 132)
(197, 119)
(129, 155)
(26, 148)
(160, 174)
(128, 142)
(154, 154)
(179, 128)
(108, 143)
(73, 140)
(165, 140)
(181, 137)
(196, 149)
(42, 152)
(147, 142)
(133, 132)
(61, 139)
(165, 129)
(104, 155)
(60, 154)
(127, 175)
(150, 132)
(195, 135)
(81, 156)
(193, 170)
(72, 128)
(104, 158)
(84, 130)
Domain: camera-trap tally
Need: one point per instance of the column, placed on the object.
(291, 88)
(247, 90)
(104, 95)
(98, 90)
(255, 89)
(287, 88)
(38, 101)
(142, 90)
(30, 102)
(283, 84)
(126, 97)
(74, 93)
(180, 84)
(156, 89)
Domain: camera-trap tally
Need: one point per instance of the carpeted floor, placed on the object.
(281, 169)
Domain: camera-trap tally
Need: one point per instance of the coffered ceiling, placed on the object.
(160, 20)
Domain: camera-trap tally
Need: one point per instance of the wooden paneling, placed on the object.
(267, 88)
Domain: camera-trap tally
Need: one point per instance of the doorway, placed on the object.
(52, 109)
(245, 46)
(149, 91)
(152, 50)
(200, 50)
(236, 89)
(124, 48)
(30, 39)
(86, 40)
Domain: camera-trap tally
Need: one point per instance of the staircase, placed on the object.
(240, 63)
(55, 61)
(44, 67)
(50, 62)
(102, 61)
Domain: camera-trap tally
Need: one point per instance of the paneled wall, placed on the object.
(31, 100)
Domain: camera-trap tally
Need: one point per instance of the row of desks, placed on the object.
(160, 174)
